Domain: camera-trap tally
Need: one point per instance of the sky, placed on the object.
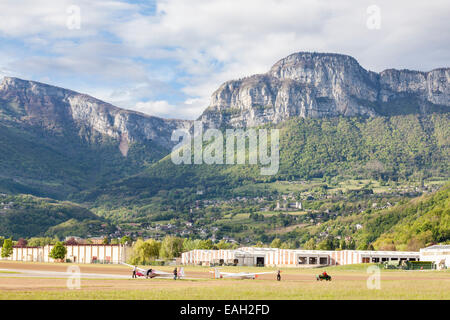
(166, 57)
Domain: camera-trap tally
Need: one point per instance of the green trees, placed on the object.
(310, 244)
(289, 244)
(126, 240)
(190, 244)
(425, 220)
(325, 245)
(329, 243)
(33, 216)
(351, 245)
(276, 243)
(376, 147)
(171, 247)
(40, 242)
(222, 244)
(207, 244)
(145, 251)
(7, 248)
(58, 252)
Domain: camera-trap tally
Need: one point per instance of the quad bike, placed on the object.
(322, 277)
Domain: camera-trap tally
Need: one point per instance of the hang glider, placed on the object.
(239, 275)
(152, 273)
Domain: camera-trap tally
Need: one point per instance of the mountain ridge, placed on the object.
(63, 144)
(57, 141)
(53, 107)
(305, 84)
(93, 142)
(322, 84)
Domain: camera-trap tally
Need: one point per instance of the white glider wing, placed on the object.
(239, 275)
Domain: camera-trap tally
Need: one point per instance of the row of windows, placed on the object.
(384, 259)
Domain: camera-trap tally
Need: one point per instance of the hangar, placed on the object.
(439, 254)
(80, 253)
(251, 256)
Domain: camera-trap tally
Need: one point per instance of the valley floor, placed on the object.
(349, 282)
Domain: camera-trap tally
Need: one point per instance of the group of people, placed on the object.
(175, 273)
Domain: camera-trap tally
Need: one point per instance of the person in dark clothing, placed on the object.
(175, 273)
(134, 272)
(149, 273)
(278, 275)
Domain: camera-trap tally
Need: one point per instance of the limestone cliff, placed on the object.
(321, 85)
(59, 109)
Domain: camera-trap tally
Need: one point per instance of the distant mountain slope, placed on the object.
(56, 141)
(28, 216)
(392, 125)
(61, 110)
(410, 225)
(428, 222)
(316, 85)
(409, 147)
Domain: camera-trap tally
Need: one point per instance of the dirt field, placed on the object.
(347, 283)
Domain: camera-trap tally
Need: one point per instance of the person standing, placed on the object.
(134, 272)
(279, 275)
(175, 273)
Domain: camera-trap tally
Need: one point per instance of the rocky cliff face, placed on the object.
(58, 109)
(302, 84)
(320, 85)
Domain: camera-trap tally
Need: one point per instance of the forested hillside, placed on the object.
(410, 225)
(29, 216)
(51, 164)
(400, 148)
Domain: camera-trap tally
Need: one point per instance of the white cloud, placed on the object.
(246, 37)
(186, 110)
(157, 108)
(158, 62)
(30, 17)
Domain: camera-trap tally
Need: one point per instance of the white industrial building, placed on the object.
(439, 254)
(80, 253)
(250, 256)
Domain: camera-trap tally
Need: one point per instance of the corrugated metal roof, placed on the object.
(438, 247)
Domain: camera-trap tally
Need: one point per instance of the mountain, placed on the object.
(397, 148)
(60, 110)
(56, 141)
(319, 85)
(337, 122)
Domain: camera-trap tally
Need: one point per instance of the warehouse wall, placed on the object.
(83, 253)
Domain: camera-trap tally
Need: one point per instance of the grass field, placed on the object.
(349, 282)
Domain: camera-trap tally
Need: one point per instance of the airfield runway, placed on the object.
(19, 280)
(25, 273)
(51, 270)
